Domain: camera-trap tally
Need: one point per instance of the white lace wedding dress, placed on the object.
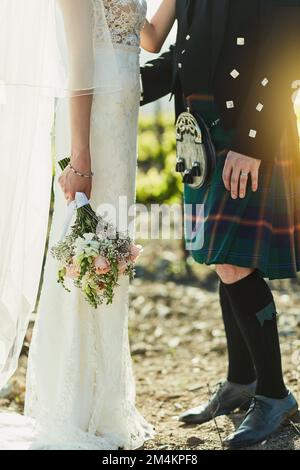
(80, 386)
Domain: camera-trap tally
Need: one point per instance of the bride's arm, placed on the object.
(76, 15)
(80, 117)
(155, 31)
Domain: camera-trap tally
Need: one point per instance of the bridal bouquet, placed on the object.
(93, 255)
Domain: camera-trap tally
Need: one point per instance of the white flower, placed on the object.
(88, 236)
(94, 245)
(79, 245)
(91, 250)
(87, 245)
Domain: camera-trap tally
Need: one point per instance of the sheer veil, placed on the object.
(49, 50)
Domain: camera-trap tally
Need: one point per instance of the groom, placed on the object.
(236, 60)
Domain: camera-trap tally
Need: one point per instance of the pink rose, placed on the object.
(122, 265)
(72, 271)
(135, 251)
(102, 265)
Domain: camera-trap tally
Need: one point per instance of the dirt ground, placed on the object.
(180, 358)
(179, 354)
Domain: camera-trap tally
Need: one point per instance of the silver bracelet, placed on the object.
(83, 175)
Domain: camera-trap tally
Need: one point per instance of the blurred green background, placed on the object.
(157, 181)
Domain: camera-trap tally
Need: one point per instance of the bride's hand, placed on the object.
(71, 183)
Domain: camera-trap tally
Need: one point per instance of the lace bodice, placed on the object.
(125, 20)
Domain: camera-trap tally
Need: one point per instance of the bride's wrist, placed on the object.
(81, 160)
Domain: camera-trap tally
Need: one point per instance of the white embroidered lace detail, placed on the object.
(125, 20)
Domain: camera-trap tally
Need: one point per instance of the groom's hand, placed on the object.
(237, 170)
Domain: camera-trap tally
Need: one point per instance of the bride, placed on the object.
(80, 390)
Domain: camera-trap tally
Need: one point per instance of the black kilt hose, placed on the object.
(261, 231)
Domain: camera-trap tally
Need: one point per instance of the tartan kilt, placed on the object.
(261, 231)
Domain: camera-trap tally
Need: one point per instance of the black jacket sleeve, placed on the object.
(157, 77)
(261, 122)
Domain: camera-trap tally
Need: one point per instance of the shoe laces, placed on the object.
(258, 404)
(219, 387)
(214, 403)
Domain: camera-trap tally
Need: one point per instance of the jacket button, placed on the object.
(230, 104)
(259, 107)
(240, 41)
(265, 82)
(234, 73)
(188, 37)
(252, 133)
(180, 65)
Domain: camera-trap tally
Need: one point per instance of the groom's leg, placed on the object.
(240, 364)
(255, 312)
(253, 306)
(240, 384)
